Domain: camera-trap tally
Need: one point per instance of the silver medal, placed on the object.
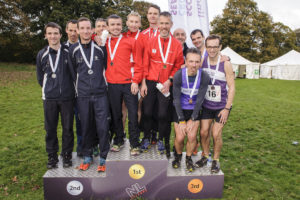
(90, 71)
(53, 75)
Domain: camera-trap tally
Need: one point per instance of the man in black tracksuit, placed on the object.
(87, 62)
(58, 95)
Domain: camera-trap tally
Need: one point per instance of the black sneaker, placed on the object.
(177, 161)
(202, 162)
(67, 159)
(52, 161)
(215, 166)
(189, 164)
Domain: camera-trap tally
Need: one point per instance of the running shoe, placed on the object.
(86, 163)
(145, 145)
(202, 162)
(189, 164)
(177, 161)
(52, 161)
(215, 166)
(101, 167)
(135, 151)
(160, 147)
(67, 159)
(154, 137)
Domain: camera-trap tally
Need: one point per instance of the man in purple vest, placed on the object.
(189, 89)
(218, 100)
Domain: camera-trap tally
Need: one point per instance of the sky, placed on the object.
(284, 11)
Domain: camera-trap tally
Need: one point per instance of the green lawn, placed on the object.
(258, 157)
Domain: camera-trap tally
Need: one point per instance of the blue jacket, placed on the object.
(61, 87)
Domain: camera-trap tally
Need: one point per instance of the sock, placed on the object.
(102, 161)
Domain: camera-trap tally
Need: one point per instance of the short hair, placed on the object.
(166, 14)
(179, 29)
(100, 20)
(213, 37)
(83, 19)
(136, 14)
(53, 25)
(154, 6)
(72, 21)
(193, 50)
(113, 16)
(196, 31)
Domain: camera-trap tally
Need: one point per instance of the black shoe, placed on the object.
(202, 162)
(215, 166)
(67, 159)
(177, 161)
(189, 164)
(52, 161)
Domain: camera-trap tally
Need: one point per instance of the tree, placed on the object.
(251, 32)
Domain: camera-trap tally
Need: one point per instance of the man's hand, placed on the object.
(166, 87)
(224, 58)
(144, 89)
(98, 40)
(190, 125)
(134, 88)
(223, 116)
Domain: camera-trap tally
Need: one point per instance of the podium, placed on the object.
(147, 176)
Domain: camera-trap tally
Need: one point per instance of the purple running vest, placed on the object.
(185, 90)
(220, 79)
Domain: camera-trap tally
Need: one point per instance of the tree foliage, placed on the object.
(22, 21)
(251, 32)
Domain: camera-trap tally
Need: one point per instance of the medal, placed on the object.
(54, 67)
(213, 73)
(112, 54)
(190, 101)
(212, 87)
(89, 64)
(164, 57)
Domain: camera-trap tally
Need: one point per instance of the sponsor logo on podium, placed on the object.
(136, 171)
(195, 186)
(135, 190)
(74, 188)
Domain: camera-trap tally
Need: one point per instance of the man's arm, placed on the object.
(138, 62)
(177, 95)
(39, 69)
(72, 63)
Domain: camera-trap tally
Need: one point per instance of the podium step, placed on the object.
(149, 175)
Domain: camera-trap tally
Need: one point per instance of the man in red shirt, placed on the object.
(121, 83)
(162, 58)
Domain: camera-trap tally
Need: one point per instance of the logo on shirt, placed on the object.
(79, 60)
(96, 58)
(153, 50)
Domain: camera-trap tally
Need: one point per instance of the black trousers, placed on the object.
(116, 94)
(52, 108)
(163, 112)
(78, 129)
(94, 110)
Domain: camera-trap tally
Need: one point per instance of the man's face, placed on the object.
(180, 35)
(85, 30)
(53, 36)
(100, 26)
(71, 31)
(198, 40)
(133, 23)
(152, 15)
(192, 62)
(213, 48)
(164, 25)
(115, 27)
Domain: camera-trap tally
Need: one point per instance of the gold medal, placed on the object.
(212, 87)
(190, 101)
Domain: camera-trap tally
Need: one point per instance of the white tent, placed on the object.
(286, 67)
(241, 64)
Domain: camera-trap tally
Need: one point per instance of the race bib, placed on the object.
(213, 93)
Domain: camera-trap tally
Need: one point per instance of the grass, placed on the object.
(258, 157)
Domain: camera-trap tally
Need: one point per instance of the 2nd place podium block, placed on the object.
(148, 175)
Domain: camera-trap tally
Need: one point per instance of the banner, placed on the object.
(189, 15)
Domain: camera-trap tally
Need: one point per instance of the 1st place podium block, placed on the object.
(149, 176)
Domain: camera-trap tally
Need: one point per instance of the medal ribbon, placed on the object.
(112, 55)
(164, 58)
(136, 37)
(195, 82)
(216, 70)
(91, 57)
(56, 60)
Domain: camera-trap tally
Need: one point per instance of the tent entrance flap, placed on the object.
(242, 71)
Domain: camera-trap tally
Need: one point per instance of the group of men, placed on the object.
(92, 77)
